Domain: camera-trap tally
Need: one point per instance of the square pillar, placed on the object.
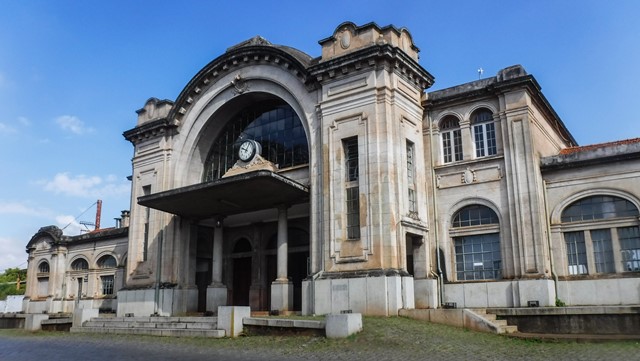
(281, 296)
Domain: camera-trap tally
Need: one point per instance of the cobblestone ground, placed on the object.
(382, 339)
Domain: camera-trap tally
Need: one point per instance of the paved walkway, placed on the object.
(383, 339)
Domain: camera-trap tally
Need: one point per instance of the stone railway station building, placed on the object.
(291, 183)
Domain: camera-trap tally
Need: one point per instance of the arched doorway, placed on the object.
(241, 259)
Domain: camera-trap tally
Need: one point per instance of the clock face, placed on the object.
(247, 150)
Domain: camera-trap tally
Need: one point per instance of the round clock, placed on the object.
(248, 150)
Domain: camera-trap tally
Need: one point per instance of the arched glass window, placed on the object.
(451, 139)
(80, 265)
(107, 261)
(484, 133)
(598, 236)
(273, 124)
(477, 250)
(598, 207)
(43, 267)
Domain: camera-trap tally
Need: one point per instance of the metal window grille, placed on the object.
(599, 207)
(107, 285)
(352, 190)
(629, 238)
(576, 253)
(277, 128)
(478, 257)
(602, 251)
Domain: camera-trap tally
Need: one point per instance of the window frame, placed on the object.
(588, 223)
(352, 187)
(485, 141)
(487, 229)
(451, 139)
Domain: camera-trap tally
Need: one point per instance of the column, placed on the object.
(282, 288)
(283, 247)
(217, 291)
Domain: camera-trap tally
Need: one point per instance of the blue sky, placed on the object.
(72, 74)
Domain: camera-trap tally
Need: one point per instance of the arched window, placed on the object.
(43, 267)
(484, 133)
(597, 236)
(107, 261)
(273, 124)
(451, 139)
(80, 265)
(477, 249)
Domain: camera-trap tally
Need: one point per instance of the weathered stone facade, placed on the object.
(351, 188)
(83, 271)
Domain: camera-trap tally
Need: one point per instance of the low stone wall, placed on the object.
(598, 320)
(12, 320)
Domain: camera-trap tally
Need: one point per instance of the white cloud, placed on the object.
(86, 186)
(6, 129)
(24, 121)
(22, 209)
(73, 124)
(13, 253)
(69, 224)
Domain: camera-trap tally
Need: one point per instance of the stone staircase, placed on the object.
(154, 326)
(501, 326)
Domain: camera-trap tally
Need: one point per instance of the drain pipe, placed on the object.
(435, 212)
(548, 226)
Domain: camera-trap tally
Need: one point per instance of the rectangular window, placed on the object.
(478, 257)
(411, 186)
(146, 190)
(602, 251)
(352, 187)
(107, 284)
(485, 139)
(410, 163)
(576, 253)
(630, 248)
(452, 146)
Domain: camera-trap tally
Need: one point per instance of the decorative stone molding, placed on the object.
(258, 163)
(239, 84)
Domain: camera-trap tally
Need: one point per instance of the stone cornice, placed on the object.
(392, 58)
(236, 58)
(148, 130)
(492, 87)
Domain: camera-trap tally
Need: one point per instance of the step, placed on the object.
(169, 332)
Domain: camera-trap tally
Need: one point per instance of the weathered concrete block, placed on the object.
(33, 321)
(216, 296)
(14, 304)
(343, 325)
(80, 315)
(426, 293)
(282, 296)
(230, 319)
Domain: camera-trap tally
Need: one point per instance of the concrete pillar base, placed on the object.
(216, 297)
(281, 296)
(81, 315)
(230, 319)
(33, 321)
(343, 325)
(426, 293)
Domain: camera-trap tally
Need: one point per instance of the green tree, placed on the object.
(10, 281)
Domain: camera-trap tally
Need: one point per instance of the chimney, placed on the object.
(124, 218)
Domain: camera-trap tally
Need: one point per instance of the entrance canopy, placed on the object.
(242, 193)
